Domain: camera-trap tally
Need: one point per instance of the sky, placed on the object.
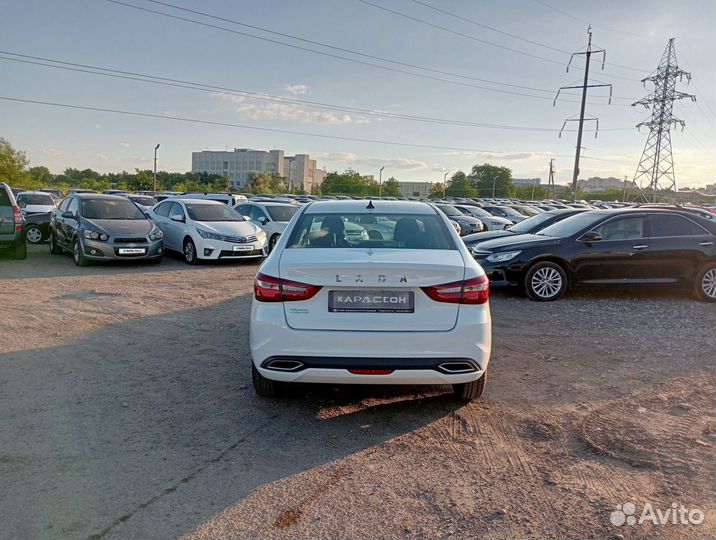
(463, 70)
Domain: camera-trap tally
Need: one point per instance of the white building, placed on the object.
(238, 165)
(415, 189)
(526, 181)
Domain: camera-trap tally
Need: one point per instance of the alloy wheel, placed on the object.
(76, 253)
(708, 283)
(34, 235)
(546, 282)
(189, 253)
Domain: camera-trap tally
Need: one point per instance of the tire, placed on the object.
(470, 391)
(33, 234)
(705, 286)
(21, 251)
(266, 387)
(54, 248)
(272, 242)
(77, 255)
(546, 281)
(190, 256)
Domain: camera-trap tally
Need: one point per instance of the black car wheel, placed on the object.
(470, 391)
(272, 242)
(266, 387)
(34, 234)
(77, 254)
(21, 251)
(545, 282)
(54, 248)
(706, 283)
(190, 251)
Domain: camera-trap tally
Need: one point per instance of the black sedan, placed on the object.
(629, 246)
(529, 226)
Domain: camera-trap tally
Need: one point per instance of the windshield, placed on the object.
(475, 211)
(35, 198)
(572, 225)
(281, 213)
(144, 201)
(375, 231)
(110, 209)
(531, 224)
(450, 210)
(526, 210)
(510, 211)
(212, 212)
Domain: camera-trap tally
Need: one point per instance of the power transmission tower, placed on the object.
(657, 163)
(550, 183)
(584, 86)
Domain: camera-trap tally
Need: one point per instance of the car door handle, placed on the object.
(706, 243)
(640, 246)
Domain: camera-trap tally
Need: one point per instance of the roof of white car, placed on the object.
(361, 206)
(193, 201)
(267, 203)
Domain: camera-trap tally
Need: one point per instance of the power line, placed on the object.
(260, 128)
(468, 36)
(326, 45)
(178, 83)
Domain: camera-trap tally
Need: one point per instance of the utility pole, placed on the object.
(445, 182)
(657, 163)
(494, 180)
(550, 183)
(584, 86)
(534, 185)
(155, 168)
(625, 188)
(380, 181)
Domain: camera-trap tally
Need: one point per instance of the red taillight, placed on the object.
(273, 289)
(471, 291)
(371, 371)
(17, 217)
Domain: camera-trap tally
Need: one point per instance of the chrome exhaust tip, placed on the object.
(457, 367)
(283, 364)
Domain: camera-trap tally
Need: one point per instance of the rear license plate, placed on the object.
(132, 251)
(243, 248)
(371, 302)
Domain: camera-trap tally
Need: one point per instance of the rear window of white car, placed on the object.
(376, 230)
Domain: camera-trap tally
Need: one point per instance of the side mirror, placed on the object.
(68, 215)
(22, 204)
(246, 218)
(263, 220)
(179, 219)
(590, 236)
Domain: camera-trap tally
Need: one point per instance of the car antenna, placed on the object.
(370, 205)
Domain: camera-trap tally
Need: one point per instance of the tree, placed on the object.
(491, 180)
(265, 183)
(536, 192)
(391, 188)
(41, 175)
(348, 183)
(13, 164)
(460, 186)
(436, 191)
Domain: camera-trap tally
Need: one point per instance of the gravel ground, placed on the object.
(126, 411)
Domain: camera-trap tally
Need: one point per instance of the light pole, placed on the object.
(494, 179)
(445, 182)
(380, 181)
(534, 184)
(290, 181)
(155, 168)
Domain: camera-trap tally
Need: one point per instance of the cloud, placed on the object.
(349, 159)
(51, 152)
(124, 145)
(296, 89)
(257, 109)
(507, 156)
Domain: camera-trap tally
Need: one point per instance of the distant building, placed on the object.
(240, 163)
(526, 181)
(415, 189)
(597, 183)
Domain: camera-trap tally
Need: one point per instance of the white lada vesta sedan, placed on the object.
(405, 303)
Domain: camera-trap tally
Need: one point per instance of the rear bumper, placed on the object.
(327, 356)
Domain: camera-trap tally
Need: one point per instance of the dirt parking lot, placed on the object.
(126, 411)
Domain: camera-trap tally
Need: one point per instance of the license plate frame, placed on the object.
(132, 251)
(371, 301)
(243, 247)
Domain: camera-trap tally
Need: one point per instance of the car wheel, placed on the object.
(33, 234)
(272, 242)
(190, 251)
(266, 387)
(77, 254)
(706, 283)
(21, 251)
(470, 391)
(54, 248)
(545, 282)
